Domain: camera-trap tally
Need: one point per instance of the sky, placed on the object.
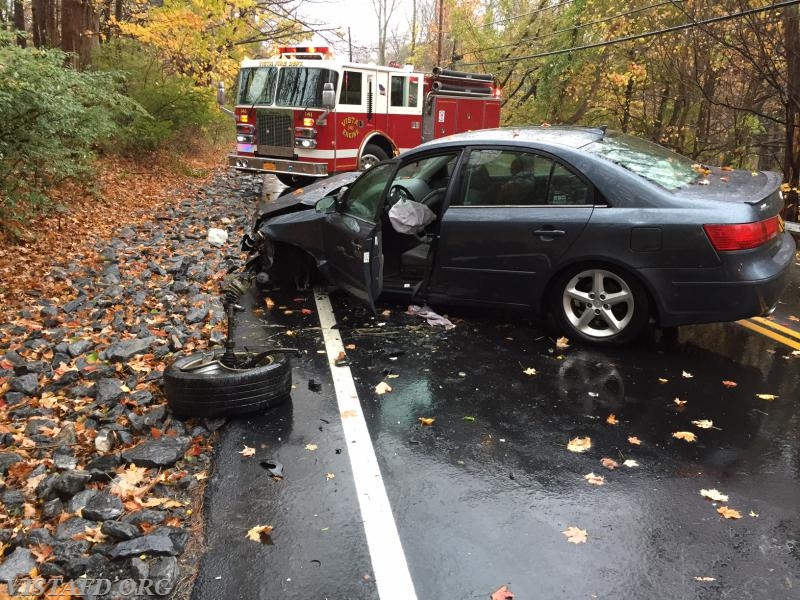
(359, 15)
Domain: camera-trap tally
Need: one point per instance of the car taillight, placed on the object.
(743, 236)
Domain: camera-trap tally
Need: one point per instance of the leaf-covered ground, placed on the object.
(96, 476)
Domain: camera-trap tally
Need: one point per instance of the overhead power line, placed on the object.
(640, 36)
(578, 26)
(528, 14)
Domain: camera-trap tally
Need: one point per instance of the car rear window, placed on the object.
(647, 159)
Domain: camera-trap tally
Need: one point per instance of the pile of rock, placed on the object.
(98, 478)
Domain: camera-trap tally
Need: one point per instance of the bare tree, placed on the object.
(384, 9)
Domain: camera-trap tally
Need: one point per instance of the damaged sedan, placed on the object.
(605, 231)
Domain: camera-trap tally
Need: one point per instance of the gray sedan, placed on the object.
(604, 230)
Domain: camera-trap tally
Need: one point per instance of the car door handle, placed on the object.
(549, 232)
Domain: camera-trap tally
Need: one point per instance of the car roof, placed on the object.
(560, 135)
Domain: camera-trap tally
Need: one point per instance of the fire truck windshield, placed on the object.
(302, 86)
(257, 85)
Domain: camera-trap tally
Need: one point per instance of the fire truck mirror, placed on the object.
(328, 95)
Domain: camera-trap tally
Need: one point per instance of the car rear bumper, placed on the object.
(744, 286)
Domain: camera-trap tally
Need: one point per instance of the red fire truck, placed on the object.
(304, 115)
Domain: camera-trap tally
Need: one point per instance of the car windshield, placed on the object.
(301, 86)
(653, 162)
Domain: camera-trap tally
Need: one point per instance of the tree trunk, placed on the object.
(71, 26)
(19, 22)
(791, 167)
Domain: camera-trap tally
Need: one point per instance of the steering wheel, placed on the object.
(397, 193)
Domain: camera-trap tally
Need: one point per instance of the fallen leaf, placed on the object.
(247, 451)
(579, 444)
(386, 313)
(704, 424)
(201, 476)
(575, 535)
(753, 514)
(469, 419)
(609, 463)
(662, 380)
(595, 479)
(426, 420)
(260, 533)
(631, 463)
(767, 396)
(393, 376)
(685, 435)
(729, 513)
(679, 402)
(306, 311)
(329, 476)
(311, 447)
(502, 594)
(793, 318)
(612, 419)
(382, 388)
(729, 384)
(634, 440)
(702, 578)
(269, 303)
(686, 375)
(562, 343)
(530, 371)
(714, 495)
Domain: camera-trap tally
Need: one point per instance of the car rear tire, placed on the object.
(600, 304)
(199, 385)
(371, 156)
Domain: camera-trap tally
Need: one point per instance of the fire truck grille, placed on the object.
(275, 132)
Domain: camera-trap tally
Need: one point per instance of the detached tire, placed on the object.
(199, 385)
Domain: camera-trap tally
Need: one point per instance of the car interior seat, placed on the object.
(479, 183)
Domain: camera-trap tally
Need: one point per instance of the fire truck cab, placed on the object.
(303, 114)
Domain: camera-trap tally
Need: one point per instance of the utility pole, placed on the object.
(439, 44)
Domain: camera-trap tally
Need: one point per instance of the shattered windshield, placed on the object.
(651, 161)
(257, 85)
(301, 86)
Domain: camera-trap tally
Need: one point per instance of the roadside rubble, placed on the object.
(97, 479)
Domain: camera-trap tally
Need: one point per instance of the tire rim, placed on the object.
(210, 363)
(598, 303)
(368, 160)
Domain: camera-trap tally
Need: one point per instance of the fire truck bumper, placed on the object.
(257, 164)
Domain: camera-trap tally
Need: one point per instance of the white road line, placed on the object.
(386, 552)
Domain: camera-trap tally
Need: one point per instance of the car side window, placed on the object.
(566, 188)
(351, 88)
(516, 178)
(364, 196)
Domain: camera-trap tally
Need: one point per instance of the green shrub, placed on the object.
(51, 117)
(177, 111)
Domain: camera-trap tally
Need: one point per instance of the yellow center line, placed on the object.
(770, 334)
(777, 327)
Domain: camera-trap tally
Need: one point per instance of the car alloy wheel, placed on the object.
(600, 304)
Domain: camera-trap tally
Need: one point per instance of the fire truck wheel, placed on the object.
(371, 156)
(294, 181)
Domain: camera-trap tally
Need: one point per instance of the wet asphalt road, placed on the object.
(482, 496)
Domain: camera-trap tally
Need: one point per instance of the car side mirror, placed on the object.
(325, 203)
(328, 95)
(221, 99)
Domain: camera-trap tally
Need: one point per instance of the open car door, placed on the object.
(352, 237)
